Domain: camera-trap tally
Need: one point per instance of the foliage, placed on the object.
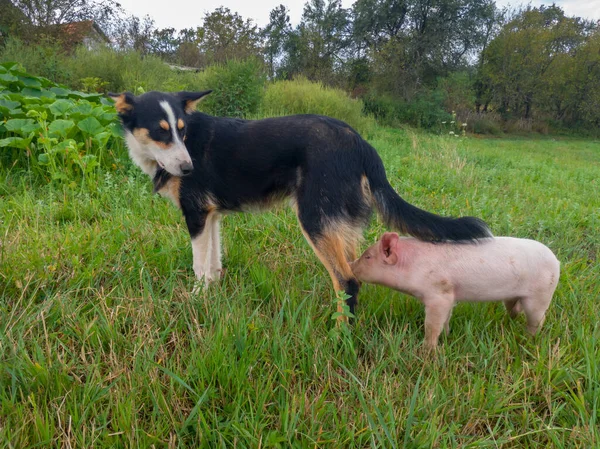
(542, 61)
(237, 86)
(45, 58)
(59, 134)
(302, 96)
(425, 111)
(315, 48)
(104, 346)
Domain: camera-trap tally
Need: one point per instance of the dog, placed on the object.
(209, 166)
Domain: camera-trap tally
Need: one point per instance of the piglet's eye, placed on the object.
(367, 256)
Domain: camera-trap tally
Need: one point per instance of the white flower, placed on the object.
(464, 125)
(451, 133)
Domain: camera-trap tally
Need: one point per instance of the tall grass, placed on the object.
(103, 345)
(302, 96)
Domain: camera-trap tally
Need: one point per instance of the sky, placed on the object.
(181, 14)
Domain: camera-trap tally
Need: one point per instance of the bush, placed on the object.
(484, 124)
(45, 59)
(302, 96)
(238, 88)
(119, 71)
(426, 110)
(58, 134)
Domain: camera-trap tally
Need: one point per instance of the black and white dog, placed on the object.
(212, 165)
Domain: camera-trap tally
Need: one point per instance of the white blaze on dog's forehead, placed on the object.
(169, 111)
(171, 119)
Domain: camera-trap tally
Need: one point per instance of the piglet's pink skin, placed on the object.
(522, 273)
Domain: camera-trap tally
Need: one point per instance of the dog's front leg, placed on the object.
(201, 231)
(216, 267)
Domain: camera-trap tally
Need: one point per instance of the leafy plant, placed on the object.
(60, 134)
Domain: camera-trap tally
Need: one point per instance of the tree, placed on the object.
(528, 63)
(316, 48)
(134, 33)
(42, 16)
(275, 34)
(225, 35)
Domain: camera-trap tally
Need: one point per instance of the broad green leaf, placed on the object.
(16, 113)
(14, 142)
(90, 126)
(61, 127)
(83, 95)
(59, 107)
(44, 159)
(9, 104)
(29, 81)
(8, 77)
(29, 92)
(82, 108)
(22, 126)
(102, 138)
(10, 65)
(59, 91)
(115, 129)
(98, 111)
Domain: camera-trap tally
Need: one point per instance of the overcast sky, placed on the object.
(180, 14)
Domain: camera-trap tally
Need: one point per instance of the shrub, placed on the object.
(238, 88)
(426, 110)
(302, 96)
(59, 134)
(119, 71)
(45, 59)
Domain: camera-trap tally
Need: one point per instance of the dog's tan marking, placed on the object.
(121, 104)
(164, 125)
(335, 247)
(180, 124)
(366, 189)
(171, 190)
(162, 145)
(142, 135)
(190, 105)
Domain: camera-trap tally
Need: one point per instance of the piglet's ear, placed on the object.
(388, 248)
(189, 100)
(124, 102)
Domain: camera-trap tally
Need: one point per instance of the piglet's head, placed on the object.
(377, 259)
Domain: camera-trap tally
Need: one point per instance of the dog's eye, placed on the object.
(163, 133)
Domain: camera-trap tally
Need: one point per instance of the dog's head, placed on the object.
(155, 127)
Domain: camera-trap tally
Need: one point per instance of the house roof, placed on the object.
(77, 31)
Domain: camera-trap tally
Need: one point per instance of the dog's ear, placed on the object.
(189, 100)
(388, 248)
(123, 102)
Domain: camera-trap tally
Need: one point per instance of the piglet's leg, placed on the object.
(535, 307)
(437, 314)
(513, 307)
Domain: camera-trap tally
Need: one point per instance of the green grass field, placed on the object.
(102, 344)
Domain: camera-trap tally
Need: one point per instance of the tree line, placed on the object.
(409, 60)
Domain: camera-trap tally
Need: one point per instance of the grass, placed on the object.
(102, 344)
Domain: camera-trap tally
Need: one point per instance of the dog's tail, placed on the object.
(408, 219)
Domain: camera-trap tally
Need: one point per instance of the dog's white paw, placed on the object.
(203, 281)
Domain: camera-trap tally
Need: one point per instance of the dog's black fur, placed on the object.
(333, 176)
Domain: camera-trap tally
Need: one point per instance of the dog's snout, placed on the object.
(186, 168)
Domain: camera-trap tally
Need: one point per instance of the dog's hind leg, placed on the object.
(333, 248)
